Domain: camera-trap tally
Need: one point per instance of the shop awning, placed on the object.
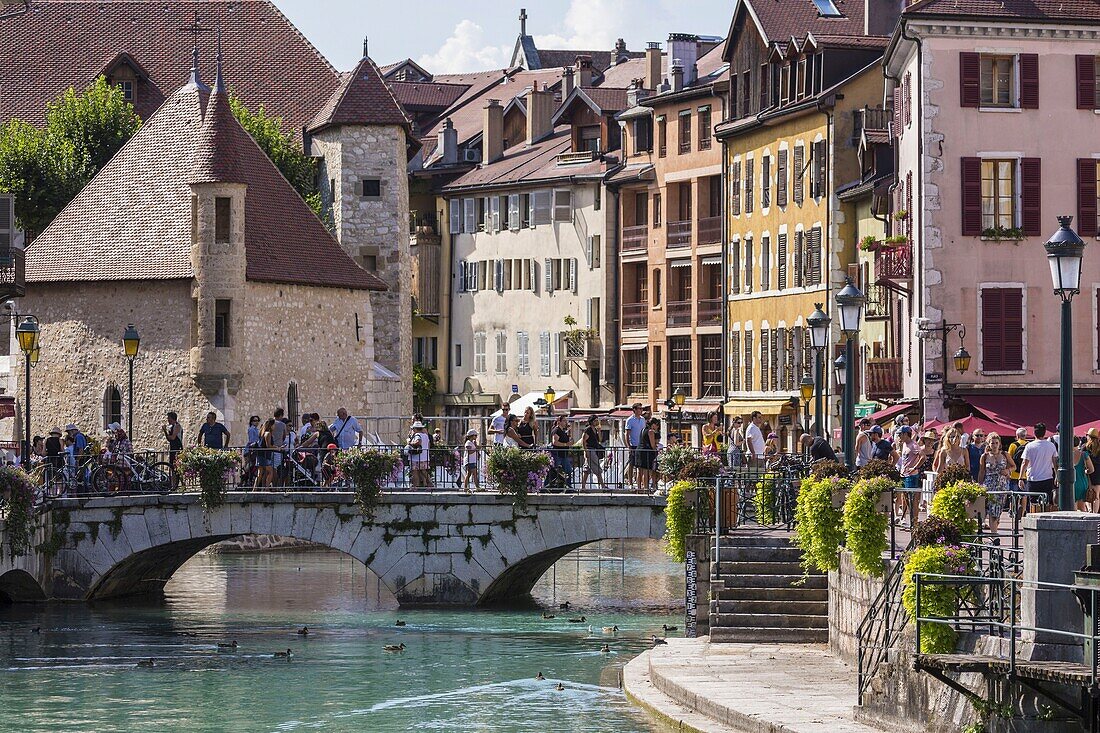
(561, 402)
(679, 263)
(767, 407)
(1025, 410)
(972, 423)
(633, 347)
(891, 412)
(711, 260)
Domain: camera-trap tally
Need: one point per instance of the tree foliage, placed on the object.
(284, 151)
(423, 388)
(44, 169)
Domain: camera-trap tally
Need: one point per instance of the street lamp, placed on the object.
(962, 360)
(27, 336)
(1065, 251)
(819, 322)
(130, 342)
(850, 302)
(806, 390)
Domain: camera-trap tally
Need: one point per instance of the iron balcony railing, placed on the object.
(884, 378)
(710, 312)
(636, 238)
(679, 234)
(635, 316)
(710, 230)
(894, 262)
(678, 313)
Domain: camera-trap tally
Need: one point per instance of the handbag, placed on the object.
(1090, 494)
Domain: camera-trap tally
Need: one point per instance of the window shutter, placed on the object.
(534, 275)
(748, 186)
(474, 270)
(1086, 82)
(544, 354)
(1086, 197)
(555, 344)
(970, 73)
(1029, 81)
(456, 215)
(1031, 191)
(513, 212)
(895, 117)
(494, 214)
(498, 275)
(573, 275)
(735, 188)
(796, 174)
(781, 264)
(7, 224)
(765, 181)
(777, 359)
(820, 169)
(588, 251)
(907, 98)
(971, 197)
(799, 273)
(814, 254)
(765, 263)
(765, 358)
(563, 205)
(1002, 329)
(462, 276)
(781, 179)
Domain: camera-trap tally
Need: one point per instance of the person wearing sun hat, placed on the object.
(420, 444)
(470, 451)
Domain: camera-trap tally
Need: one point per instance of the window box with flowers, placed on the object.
(1002, 234)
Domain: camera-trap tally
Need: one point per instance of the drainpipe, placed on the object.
(916, 303)
(611, 349)
(450, 294)
(826, 363)
(725, 289)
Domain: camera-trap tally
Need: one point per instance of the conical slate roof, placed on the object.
(361, 99)
(133, 220)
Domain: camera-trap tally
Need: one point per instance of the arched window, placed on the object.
(292, 403)
(112, 405)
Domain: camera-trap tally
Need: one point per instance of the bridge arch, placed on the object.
(19, 586)
(426, 549)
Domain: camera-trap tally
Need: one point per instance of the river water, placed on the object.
(460, 671)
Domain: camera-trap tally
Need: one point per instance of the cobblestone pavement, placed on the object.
(746, 688)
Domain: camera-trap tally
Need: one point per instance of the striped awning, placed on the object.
(679, 263)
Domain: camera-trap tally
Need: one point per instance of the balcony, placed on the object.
(635, 239)
(685, 147)
(878, 303)
(894, 262)
(679, 234)
(710, 312)
(582, 348)
(13, 282)
(883, 378)
(678, 313)
(635, 316)
(710, 230)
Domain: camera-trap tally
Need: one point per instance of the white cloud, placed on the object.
(466, 50)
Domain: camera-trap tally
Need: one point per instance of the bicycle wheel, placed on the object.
(107, 479)
(157, 478)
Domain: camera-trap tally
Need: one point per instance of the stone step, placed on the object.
(768, 621)
(759, 554)
(797, 607)
(793, 636)
(738, 567)
(771, 595)
(749, 540)
(789, 580)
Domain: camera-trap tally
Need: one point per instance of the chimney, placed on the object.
(652, 65)
(677, 75)
(566, 82)
(584, 71)
(492, 134)
(685, 48)
(448, 143)
(619, 54)
(880, 16)
(540, 109)
(634, 93)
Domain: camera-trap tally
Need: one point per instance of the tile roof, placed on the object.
(133, 220)
(427, 93)
(781, 19)
(1060, 10)
(361, 99)
(621, 74)
(607, 99)
(879, 42)
(551, 58)
(523, 164)
(58, 44)
(217, 155)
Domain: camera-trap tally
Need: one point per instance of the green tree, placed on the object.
(287, 155)
(44, 169)
(423, 388)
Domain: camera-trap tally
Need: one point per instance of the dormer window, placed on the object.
(827, 9)
(589, 139)
(127, 88)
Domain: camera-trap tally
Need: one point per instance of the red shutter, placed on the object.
(1031, 196)
(1086, 197)
(969, 79)
(1029, 81)
(1002, 329)
(1086, 82)
(971, 197)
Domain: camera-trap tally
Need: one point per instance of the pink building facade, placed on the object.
(997, 131)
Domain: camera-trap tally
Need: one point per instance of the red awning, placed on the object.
(1025, 410)
(972, 423)
(877, 418)
(621, 413)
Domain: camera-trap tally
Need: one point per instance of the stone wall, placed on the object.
(850, 597)
(375, 231)
(701, 545)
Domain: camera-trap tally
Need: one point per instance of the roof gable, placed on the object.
(361, 99)
(133, 220)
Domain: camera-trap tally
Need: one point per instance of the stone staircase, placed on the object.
(758, 593)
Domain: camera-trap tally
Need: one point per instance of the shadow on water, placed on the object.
(461, 669)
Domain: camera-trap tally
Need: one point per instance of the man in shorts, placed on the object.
(635, 424)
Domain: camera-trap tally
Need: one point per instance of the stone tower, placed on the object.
(362, 137)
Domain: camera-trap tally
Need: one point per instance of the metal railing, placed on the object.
(679, 234)
(678, 313)
(636, 238)
(635, 316)
(894, 262)
(880, 628)
(710, 312)
(752, 496)
(710, 230)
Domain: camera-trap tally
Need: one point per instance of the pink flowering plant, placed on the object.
(368, 470)
(18, 494)
(211, 470)
(518, 472)
(935, 600)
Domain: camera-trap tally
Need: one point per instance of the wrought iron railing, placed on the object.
(884, 378)
(894, 262)
(880, 628)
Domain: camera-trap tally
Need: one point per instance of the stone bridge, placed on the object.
(427, 548)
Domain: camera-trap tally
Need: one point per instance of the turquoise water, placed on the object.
(460, 671)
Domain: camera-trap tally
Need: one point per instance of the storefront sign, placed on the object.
(786, 420)
(863, 409)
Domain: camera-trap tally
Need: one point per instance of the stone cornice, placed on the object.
(1003, 29)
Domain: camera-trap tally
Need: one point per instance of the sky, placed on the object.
(446, 36)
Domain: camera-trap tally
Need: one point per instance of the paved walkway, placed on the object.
(745, 688)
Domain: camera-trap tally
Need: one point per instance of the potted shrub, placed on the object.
(18, 494)
(367, 470)
(869, 244)
(901, 214)
(865, 522)
(1003, 234)
(577, 338)
(518, 472)
(213, 471)
(819, 524)
(679, 518)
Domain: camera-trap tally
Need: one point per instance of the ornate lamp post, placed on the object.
(850, 302)
(1065, 250)
(130, 342)
(818, 322)
(806, 390)
(549, 395)
(27, 336)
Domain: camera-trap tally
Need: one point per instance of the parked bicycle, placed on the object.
(127, 472)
